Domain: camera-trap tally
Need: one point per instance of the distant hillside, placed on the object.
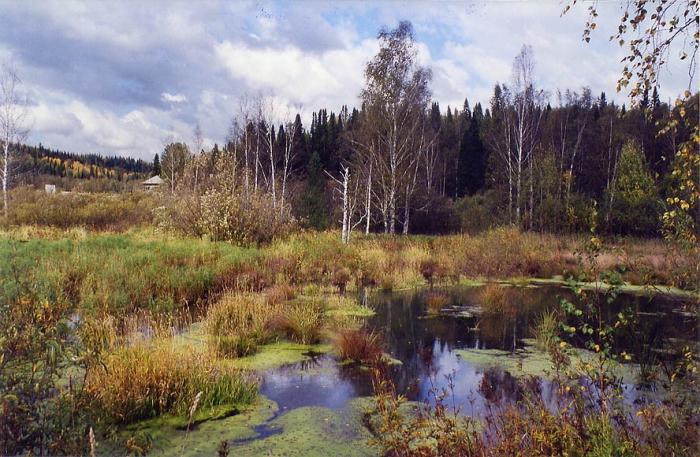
(37, 165)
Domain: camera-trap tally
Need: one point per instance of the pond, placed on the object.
(432, 347)
(463, 345)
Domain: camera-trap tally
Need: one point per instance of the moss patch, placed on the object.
(530, 361)
(646, 290)
(313, 431)
(181, 422)
(168, 438)
(277, 354)
(346, 306)
(355, 311)
(472, 282)
(524, 362)
(308, 431)
(267, 356)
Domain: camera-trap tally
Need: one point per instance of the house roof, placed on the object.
(155, 180)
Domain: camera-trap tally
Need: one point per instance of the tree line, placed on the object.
(39, 160)
(401, 163)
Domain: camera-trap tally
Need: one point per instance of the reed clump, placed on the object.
(302, 321)
(238, 323)
(145, 380)
(494, 298)
(359, 345)
(436, 301)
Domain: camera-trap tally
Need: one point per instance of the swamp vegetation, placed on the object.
(207, 318)
(405, 346)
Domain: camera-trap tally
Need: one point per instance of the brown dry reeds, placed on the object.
(359, 346)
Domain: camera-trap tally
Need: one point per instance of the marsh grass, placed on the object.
(238, 323)
(94, 211)
(546, 330)
(145, 380)
(301, 321)
(436, 301)
(122, 273)
(359, 346)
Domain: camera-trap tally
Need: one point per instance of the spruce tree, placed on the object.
(472, 156)
(313, 206)
(635, 204)
(156, 166)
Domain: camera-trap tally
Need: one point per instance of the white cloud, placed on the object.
(333, 77)
(173, 98)
(61, 122)
(118, 80)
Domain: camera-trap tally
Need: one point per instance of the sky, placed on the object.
(122, 78)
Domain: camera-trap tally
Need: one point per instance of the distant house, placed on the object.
(152, 183)
(50, 188)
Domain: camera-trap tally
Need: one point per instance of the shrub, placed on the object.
(37, 346)
(225, 216)
(477, 213)
(340, 279)
(430, 268)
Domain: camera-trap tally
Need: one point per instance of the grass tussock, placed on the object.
(238, 323)
(494, 299)
(303, 321)
(143, 381)
(546, 330)
(436, 301)
(280, 293)
(359, 346)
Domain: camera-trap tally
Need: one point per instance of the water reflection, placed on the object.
(425, 345)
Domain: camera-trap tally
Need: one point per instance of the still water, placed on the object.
(425, 343)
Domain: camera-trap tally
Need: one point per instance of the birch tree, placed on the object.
(267, 125)
(197, 145)
(290, 138)
(13, 129)
(527, 114)
(349, 190)
(243, 134)
(175, 157)
(395, 96)
(574, 115)
(500, 135)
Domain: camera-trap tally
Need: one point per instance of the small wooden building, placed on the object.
(152, 183)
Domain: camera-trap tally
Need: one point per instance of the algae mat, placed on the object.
(530, 361)
(313, 431)
(306, 431)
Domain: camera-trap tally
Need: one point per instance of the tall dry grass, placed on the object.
(146, 380)
(95, 211)
(359, 346)
(238, 323)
